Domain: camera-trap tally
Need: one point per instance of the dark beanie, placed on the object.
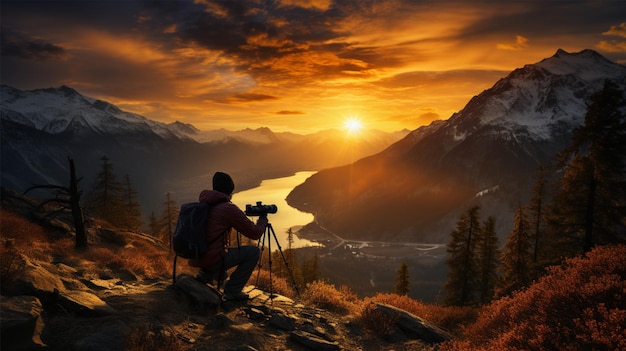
(223, 183)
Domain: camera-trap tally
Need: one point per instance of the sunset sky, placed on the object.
(295, 65)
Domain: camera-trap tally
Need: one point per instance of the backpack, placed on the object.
(189, 240)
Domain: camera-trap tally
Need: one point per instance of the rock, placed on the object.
(37, 281)
(282, 321)
(220, 321)
(310, 328)
(21, 323)
(413, 326)
(200, 296)
(102, 284)
(254, 314)
(313, 342)
(111, 236)
(84, 303)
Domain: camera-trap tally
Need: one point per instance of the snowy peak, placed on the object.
(539, 100)
(587, 64)
(64, 110)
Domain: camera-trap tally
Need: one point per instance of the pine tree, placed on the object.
(489, 260)
(132, 208)
(516, 257)
(154, 226)
(169, 218)
(590, 207)
(307, 271)
(537, 216)
(105, 198)
(402, 280)
(463, 271)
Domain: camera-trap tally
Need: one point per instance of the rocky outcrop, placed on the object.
(73, 303)
(22, 323)
(56, 307)
(413, 326)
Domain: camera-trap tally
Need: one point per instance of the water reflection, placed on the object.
(274, 191)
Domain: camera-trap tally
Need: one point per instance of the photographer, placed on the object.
(224, 216)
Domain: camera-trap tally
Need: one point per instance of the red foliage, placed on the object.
(578, 306)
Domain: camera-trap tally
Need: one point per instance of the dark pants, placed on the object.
(245, 258)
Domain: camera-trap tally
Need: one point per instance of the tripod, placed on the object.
(269, 233)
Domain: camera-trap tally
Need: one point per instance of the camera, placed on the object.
(259, 209)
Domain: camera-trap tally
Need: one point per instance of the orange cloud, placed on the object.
(619, 30)
(520, 44)
(614, 45)
(322, 5)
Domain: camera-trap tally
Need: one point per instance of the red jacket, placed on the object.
(224, 215)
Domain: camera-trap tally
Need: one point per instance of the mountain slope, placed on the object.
(41, 128)
(486, 153)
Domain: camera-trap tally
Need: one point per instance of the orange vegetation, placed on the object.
(580, 305)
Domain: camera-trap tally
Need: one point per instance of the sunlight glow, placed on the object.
(353, 125)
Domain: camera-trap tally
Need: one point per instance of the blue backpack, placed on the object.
(189, 240)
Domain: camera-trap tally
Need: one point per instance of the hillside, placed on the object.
(485, 154)
(117, 295)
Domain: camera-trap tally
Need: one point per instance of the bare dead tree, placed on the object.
(68, 197)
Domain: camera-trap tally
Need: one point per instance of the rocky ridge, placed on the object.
(58, 305)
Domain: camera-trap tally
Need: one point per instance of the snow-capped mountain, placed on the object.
(64, 110)
(486, 153)
(538, 100)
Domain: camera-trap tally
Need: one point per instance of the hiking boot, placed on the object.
(239, 296)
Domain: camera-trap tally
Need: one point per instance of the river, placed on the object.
(274, 192)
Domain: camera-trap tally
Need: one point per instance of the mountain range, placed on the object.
(41, 128)
(487, 154)
(408, 186)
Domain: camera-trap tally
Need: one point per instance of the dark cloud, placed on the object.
(251, 97)
(254, 33)
(17, 44)
(568, 18)
(290, 112)
(116, 16)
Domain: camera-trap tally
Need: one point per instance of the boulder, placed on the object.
(201, 296)
(84, 303)
(21, 323)
(414, 327)
(37, 281)
(313, 342)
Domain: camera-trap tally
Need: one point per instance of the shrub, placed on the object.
(11, 265)
(25, 237)
(578, 306)
(18, 236)
(261, 279)
(326, 296)
(376, 322)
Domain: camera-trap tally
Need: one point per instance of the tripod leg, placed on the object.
(269, 257)
(261, 245)
(280, 249)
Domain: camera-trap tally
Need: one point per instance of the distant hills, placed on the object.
(486, 154)
(41, 128)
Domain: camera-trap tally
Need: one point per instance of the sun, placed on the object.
(353, 126)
